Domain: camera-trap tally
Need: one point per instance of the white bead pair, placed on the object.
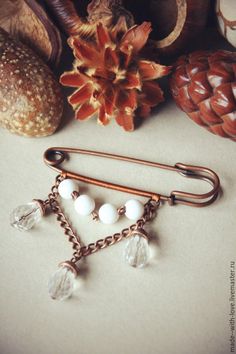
(108, 213)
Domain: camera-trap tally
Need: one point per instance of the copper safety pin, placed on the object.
(54, 156)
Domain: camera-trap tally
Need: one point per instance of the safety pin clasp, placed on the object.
(55, 156)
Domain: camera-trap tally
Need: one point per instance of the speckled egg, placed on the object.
(31, 102)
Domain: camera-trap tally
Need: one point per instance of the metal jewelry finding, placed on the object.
(54, 157)
(26, 216)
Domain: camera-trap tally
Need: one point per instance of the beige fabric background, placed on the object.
(179, 304)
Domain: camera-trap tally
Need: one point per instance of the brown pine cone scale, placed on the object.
(204, 86)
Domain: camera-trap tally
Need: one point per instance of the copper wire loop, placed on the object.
(121, 210)
(95, 216)
(75, 195)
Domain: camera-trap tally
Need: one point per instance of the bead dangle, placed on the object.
(136, 253)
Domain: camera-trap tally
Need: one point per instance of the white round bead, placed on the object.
(134, 209)
(108, 214)
(67, 187)
(84, 204)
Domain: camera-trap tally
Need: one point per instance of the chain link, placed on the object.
(61, 218)
(150, 209)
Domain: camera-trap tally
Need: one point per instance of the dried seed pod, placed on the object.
(175, 23)
(27, 21)
(110, 72)
(66, 14)
(31, 101)
(204, 86)
(82, 17)
(111, 79)
(226, 16)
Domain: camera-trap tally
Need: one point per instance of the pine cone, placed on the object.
(204, 86)
(110, 76)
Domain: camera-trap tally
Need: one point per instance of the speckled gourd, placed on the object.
(31, 101)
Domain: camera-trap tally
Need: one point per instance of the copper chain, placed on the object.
(83, 251)
(61, 218)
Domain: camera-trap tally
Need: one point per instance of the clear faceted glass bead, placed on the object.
(137, 250)
(24, 217)
(61, 283)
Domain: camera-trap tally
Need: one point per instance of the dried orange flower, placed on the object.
(110, 77)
